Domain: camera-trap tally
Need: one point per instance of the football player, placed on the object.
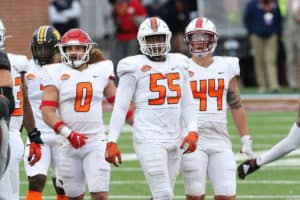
(6, 106)
(283, 147)
(9, 185)
(44, 52)
(72, 106)
(158, 83)
(214, 87)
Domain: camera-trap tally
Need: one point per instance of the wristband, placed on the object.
(111, 100)
(129, 114)
(57, 125)
(48, 103)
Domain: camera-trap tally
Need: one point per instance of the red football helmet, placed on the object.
(75, 37)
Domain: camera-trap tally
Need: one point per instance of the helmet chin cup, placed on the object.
(201, 55)
(76, 63)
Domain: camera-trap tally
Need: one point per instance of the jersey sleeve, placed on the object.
(126, 65)
(21, 63)
(184, 60)
(104, 67)
(109, 68)
(188, 107)
(125, 92)
(47, 76)
(233, 66)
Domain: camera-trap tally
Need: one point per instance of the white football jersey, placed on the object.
(80, 94)
(18, 64)
(158, 94)
(33, 79)
(209, 86)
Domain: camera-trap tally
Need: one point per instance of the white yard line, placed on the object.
(288, 197)
(180, 182)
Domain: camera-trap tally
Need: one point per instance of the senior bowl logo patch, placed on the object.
(191, 73)
(30, 76)
(64, 77)
(146, 68)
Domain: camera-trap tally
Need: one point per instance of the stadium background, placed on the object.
(20, 19)
(276, 182)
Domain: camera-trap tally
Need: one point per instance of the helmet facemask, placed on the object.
(2, 39)
(155, 45)
(201, 42)
(75, 58)
(2, 35)
(43, 53)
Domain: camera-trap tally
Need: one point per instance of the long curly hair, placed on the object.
(96, 55)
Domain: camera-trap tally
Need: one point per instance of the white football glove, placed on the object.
(247, 146)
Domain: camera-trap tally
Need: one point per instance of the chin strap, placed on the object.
(157, 58)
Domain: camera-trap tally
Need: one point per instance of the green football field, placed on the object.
(279, 180)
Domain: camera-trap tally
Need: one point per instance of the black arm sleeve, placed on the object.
(8, 94)
(4, 108)
(4, 62)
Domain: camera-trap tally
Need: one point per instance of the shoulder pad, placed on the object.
(228, 59)
(182, 60)
(4, 61)
(106, 67)
(128, 65)
(19, 62)
(51, 67)
(232, 64)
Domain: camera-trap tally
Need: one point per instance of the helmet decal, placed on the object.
(199, 23)
(153, 22)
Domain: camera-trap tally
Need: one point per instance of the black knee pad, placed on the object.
(4, 108)
(7, 92)
(37, 182)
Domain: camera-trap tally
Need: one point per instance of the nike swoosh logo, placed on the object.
(246, 168)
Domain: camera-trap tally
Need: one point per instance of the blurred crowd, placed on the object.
(272, 27)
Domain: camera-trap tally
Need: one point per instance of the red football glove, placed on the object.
(34, 153)
(113, 154)
(189, 143)
(34, 146)
(77, 140)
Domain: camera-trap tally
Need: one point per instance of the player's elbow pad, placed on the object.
(8, 93)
